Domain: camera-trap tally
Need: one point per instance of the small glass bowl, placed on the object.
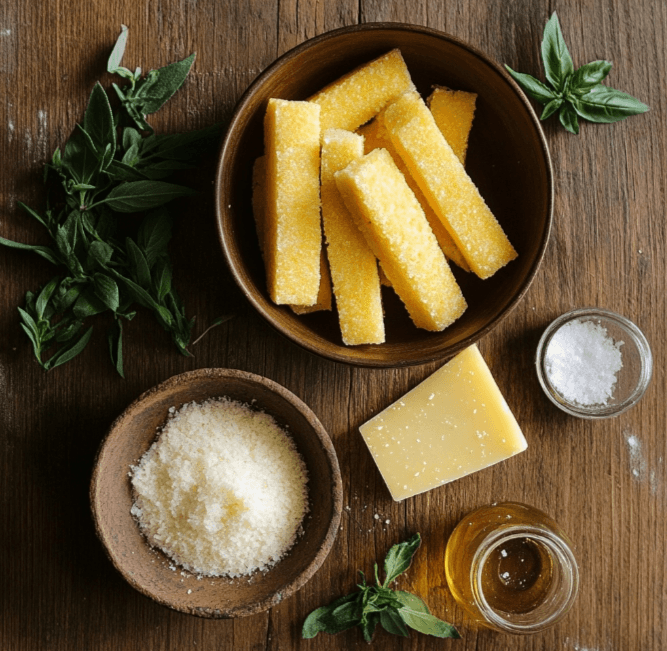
(631, 380)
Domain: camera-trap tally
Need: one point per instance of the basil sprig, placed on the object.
(574, 93)
(395, 610)
(112, 164)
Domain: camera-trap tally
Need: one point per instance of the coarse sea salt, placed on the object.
(223, 489)
(582, 361)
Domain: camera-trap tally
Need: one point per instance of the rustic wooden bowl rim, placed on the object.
(339, 354)
(318, 431)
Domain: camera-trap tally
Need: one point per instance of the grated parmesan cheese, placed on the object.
(223, 489)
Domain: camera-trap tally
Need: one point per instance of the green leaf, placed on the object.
(588, 76)
(187, 146)
(98, 120)
(131, 156)
(88, 304)
(557, 60)
(399, 557)
(119, 171)
(116, 345)
(68, 331)
(79, 158)
(368, 626)
(34, 340)
(138, 264)
(32, 213)
(568, 118)
(67, 353)
(169, 80)
(142, 195)
(551, 108)
(100, 253)
(604, 104)
(426, 623)
(130, 137)
(67, 295)
(45, 296)
(322, 619)
(106, 290)
(43, 251)
(393, 623)
(533, 87)
(154, 235)
(29, 322)
(118, 51)
(162, 280)
(163, 169)
(411, 601)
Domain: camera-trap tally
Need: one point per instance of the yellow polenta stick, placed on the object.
(361, 94)
(376, 137)
(258, 211)
(393, 222)
(453, 112)
(293, 231)
(354, 268)
(448, 189)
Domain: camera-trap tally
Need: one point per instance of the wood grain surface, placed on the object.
(59, 592)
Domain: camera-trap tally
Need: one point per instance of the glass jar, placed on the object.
(512, 568)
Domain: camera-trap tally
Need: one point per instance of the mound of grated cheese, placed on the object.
(223, 489)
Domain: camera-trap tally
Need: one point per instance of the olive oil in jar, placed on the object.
(510, 566)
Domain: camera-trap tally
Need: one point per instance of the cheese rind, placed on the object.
(447, 187)
(358, 96)
(292, 228)
(354, 268)
(454, 423)
(387, 212)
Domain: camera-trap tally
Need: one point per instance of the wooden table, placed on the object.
(59, 592)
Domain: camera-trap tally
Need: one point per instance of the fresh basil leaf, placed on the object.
(67, 295)
(399, 557)
(130, 137)
(588, 76)
(154, 235)
(142, 195)
(606, 105)
(131, 156)
(68, 331)
(138, 264)
(557, 60)
(162, 275)
(533, 87)
(139, 294)
(187, 146)
(322, 620)
(98, 119)
(116, 345)
(43, 251)
(411, 601)
(34, 340)
(33, 213)
(88, 304)
(118, 51)
(551, 108)
(426, 623)
(45, 296)
(29, 322)
(119, 171)
(106, 290)
(568, 118)
(79, 156)
(99, 253)
(67, 353)
(163, 169)
(368, 626)
(169, 80)
(393, 623)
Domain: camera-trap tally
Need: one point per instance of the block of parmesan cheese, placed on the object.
(375, 137)
(356, 97)
(454, 423)
(354, 268)
(453, 112)
(393, 222)
(258, 211)
(446, 185)
(293, 231)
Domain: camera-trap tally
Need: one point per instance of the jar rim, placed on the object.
(561, 552)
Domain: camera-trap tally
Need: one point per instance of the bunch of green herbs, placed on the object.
(395, 610)
(112, 164)
(575, 93)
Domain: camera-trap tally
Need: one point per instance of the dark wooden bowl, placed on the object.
(507, 158)
(147, 569)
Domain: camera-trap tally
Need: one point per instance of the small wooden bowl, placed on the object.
(147, 569)
(507, 158)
